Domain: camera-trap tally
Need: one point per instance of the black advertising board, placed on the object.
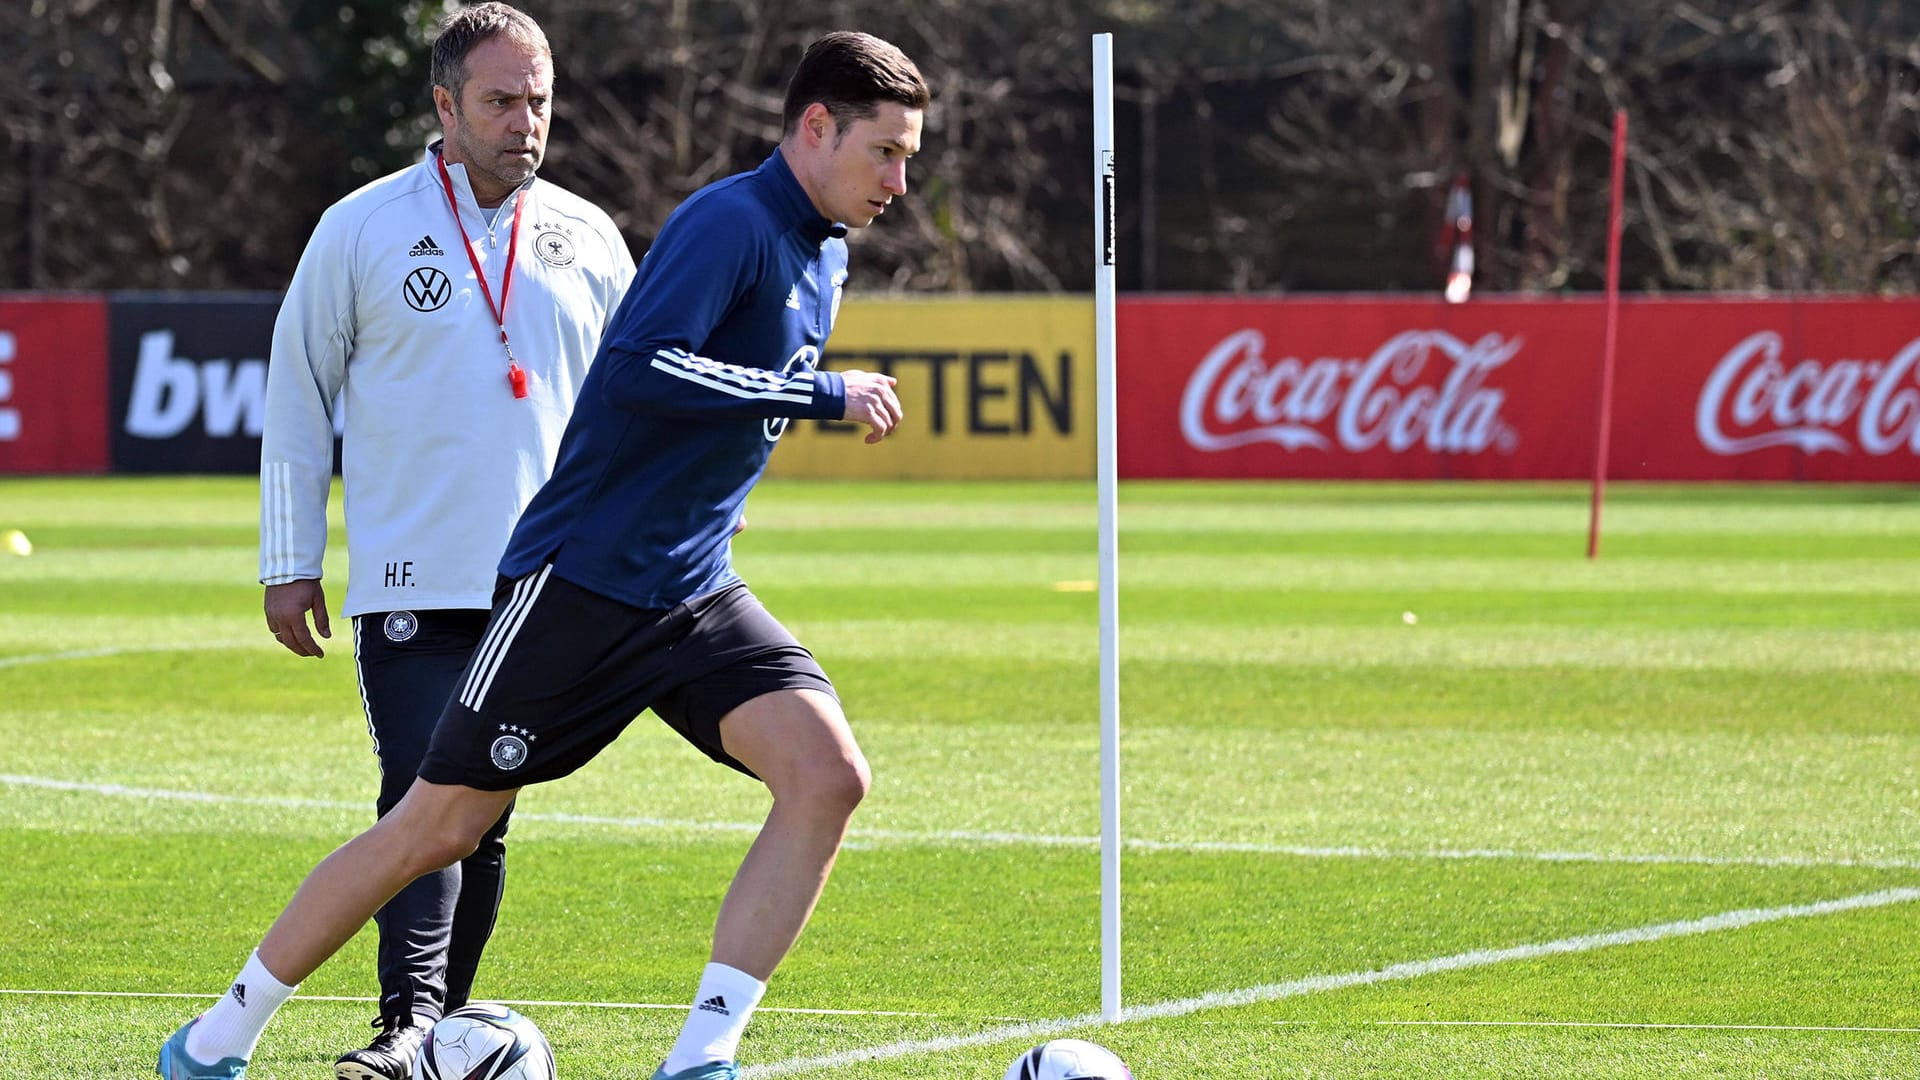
(189, 380)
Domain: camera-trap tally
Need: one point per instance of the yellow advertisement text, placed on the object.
(992, 388)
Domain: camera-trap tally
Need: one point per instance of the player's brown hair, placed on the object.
(852, 74)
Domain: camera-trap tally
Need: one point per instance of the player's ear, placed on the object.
(818, 124)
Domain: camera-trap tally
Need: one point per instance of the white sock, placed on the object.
(232, 1027)
(721, 1006)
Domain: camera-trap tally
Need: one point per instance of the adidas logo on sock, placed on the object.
(240, 994)
(717, 1004)
(426, 246)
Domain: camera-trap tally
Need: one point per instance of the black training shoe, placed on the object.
(388, 1057)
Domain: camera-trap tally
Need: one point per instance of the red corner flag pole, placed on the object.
(1612, 339)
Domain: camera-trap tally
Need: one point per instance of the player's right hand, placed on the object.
(871, 401)
(287, 606)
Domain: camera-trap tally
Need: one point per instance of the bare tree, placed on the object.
(1264, 144)
(660, 100)
(1773, 143)
(173, 143)
(1803, 174)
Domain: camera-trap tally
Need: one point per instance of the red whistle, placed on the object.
(517, 376)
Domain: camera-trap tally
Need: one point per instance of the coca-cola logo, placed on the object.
(1398, 398)
(1754, 400)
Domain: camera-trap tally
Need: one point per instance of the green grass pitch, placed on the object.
(1655, 816)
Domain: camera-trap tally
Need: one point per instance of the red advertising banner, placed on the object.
(53, 384)
(1385, 388)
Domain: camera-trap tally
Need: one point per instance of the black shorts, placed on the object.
(562, 671)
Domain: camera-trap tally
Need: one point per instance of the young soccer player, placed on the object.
(617, 593)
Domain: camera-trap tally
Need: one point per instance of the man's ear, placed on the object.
(817, 125)
(443, 105)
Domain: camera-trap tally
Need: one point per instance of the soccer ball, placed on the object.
(1069, 1059)
(484, 1042)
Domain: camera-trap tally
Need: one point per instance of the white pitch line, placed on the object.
(122, 650)
(1314, 984)
(1627, 1026)
(290, 802)
(503, 1001)
(861, 836)
(1344, 852)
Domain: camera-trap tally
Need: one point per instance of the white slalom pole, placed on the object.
(1107, 470)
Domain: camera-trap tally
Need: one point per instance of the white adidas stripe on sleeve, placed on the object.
(737, 381)
(276, 520)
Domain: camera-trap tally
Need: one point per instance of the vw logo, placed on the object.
(427, 289)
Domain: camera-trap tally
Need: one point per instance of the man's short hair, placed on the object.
(463, 28)
(852, 74)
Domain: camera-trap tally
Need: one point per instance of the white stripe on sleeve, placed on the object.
(740, 382)
(276, 519)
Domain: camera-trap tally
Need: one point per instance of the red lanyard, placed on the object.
(516, 375)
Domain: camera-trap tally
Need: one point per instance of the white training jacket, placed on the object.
(385, 322)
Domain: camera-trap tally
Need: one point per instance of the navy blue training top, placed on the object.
(713, 348)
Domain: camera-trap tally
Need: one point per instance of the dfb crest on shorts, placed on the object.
(400, 626)
(509, 751)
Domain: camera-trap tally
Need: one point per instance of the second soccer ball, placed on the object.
(1069, 1059)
